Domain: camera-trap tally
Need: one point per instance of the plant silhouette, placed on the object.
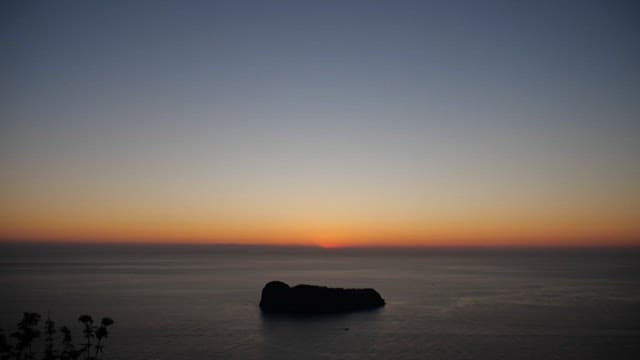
(49, 330)
(102, 333)
(88, 332)
(26, 334)
(22, 348)
(68, 349)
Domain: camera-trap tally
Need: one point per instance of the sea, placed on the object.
(201, 302)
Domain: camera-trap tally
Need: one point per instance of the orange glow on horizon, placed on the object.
(327, 225)
(329, 237)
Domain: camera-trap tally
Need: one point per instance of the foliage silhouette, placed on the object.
(49, 330)
(23, 346)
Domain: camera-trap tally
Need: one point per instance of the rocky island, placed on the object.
(278, 297)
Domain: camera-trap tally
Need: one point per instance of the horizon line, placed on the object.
(133, 243)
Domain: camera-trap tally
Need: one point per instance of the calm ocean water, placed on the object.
(202, 302)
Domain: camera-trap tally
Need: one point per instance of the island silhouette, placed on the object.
(278, 297)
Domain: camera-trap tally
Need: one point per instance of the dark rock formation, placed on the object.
(278, 297)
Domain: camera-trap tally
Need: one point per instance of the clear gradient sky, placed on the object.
(321, 122)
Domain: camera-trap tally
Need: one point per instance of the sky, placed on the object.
(330, 123)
